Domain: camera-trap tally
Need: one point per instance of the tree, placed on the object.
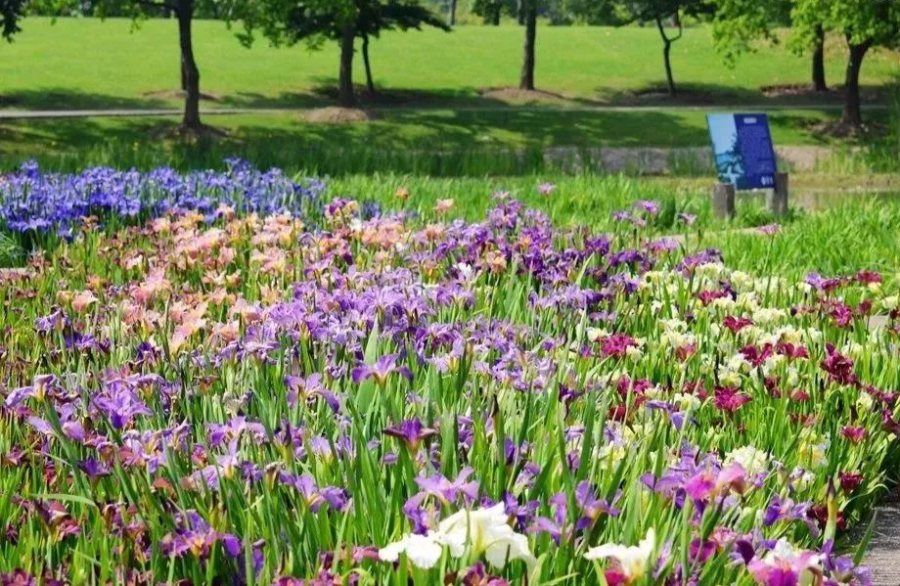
(10, 12)
(596, 12)
(660, 11)
(526, 82)
(317, 21)
(375, 16)
(863, 23)
(737, 23)
(184, 12)
(490, 10)
(818, 60)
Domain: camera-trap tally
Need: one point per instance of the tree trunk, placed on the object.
(527, 80)
(190, 74)
(818, 62)
(520, 12)
(852, 110)
(494, 14)
(452, 15)
(667, 50)
(183, 76)
(670, 81)
(370, 83)
(346, 98)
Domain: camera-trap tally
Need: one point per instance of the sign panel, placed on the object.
(742, 147)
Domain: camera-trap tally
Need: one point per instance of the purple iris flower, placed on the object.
(556, 527)
(43, 384)
(221, 433)
(687, 218)
(521, 515)
(701, 486)
(447, 491)
(94, 468)
(315, 497)
(308, 389)
(477, 575)
(121, 405)
(195, 536)
(418, 516)
(842, 568)
(701, 551)
(591, 506)
(784, 509)
(650, 208)
(381, 370)
(412, 432)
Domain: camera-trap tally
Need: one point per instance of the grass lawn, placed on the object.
(431, 118)
(45, 67)
(433, 141)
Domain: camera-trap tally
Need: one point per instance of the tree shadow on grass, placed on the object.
(440, 142)
(60, 98)
(546, 128)
(690, 95)
(324, 93)
(710, 94)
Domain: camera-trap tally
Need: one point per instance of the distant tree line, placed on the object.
(738, 26)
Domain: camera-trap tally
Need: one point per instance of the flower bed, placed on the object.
(34, 201)
(218, 395)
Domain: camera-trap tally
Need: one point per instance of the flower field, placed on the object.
(227, 378)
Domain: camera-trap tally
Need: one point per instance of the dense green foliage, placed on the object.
(10, 12)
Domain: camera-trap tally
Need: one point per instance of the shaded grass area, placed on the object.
(579, 65)
(436, 142)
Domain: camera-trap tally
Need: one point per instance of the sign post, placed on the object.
(723, 200)
(745, 159)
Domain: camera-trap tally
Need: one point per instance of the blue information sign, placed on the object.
(742, 147)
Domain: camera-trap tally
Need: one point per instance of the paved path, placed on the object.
(883, 555)
(144, 112)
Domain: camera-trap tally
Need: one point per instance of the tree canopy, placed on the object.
(10, 12)
(736, 24)
(317, 21)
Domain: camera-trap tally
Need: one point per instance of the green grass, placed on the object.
(434, 142)
(46, 67)
(858, 234)
(582, 200)
(431, 117)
